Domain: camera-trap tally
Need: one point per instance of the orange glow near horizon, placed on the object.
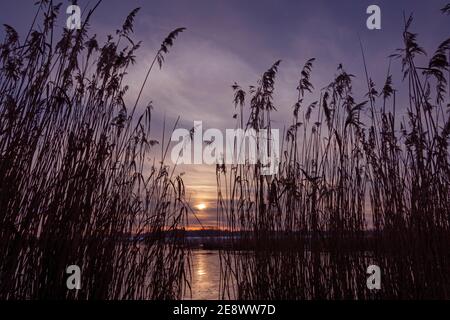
(201, 206)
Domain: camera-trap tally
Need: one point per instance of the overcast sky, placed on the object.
(237, 40)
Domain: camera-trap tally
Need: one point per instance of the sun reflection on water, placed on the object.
(205, 275)
(201, 267)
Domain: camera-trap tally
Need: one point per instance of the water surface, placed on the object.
(205, 275)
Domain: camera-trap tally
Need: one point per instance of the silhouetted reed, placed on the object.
(75, 184)
(357, 185)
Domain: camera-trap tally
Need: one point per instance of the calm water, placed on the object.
(292, 275)
(205, 275)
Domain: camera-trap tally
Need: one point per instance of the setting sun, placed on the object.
(201, 206)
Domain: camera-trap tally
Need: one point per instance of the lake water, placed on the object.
(205, 275)
(325, 275)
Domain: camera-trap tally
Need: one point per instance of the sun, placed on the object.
(201, 206)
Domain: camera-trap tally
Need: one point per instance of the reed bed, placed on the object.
(359, 183)
(76, 186)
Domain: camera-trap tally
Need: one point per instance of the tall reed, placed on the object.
(357, 185)
(76, 187)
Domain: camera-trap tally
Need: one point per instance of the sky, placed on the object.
(229, 41)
